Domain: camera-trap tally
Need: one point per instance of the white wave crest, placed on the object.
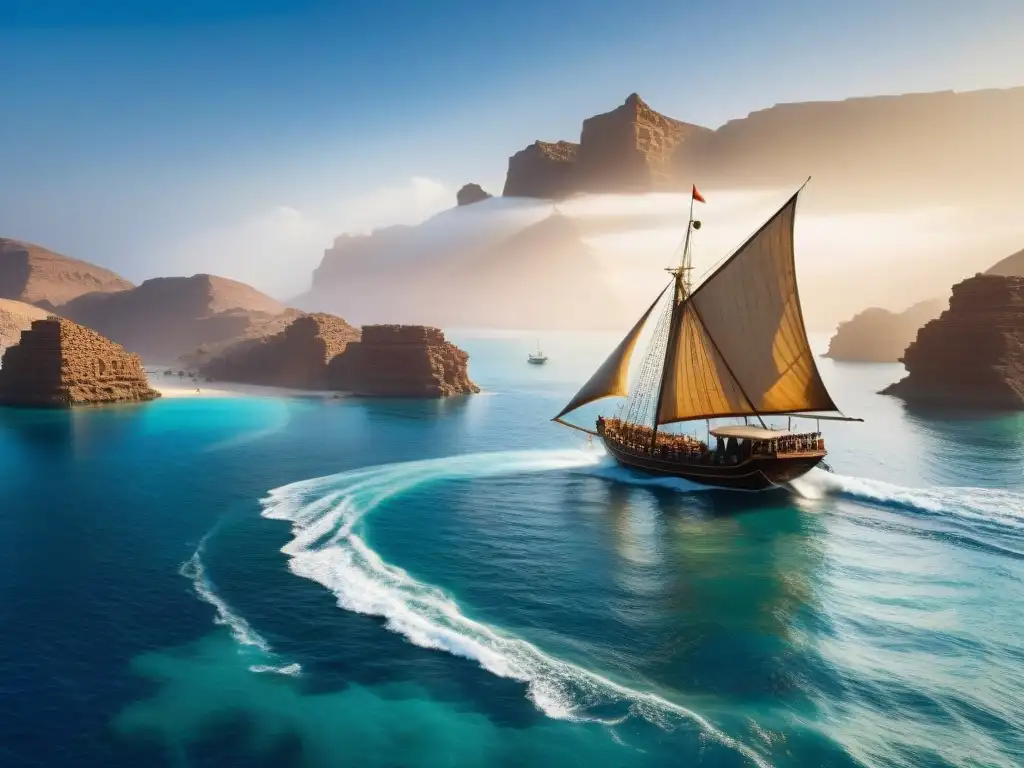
(243, 633)
(327, 549)
(988, 505)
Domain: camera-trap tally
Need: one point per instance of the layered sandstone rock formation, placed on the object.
(880, 336)
(402, 361)
(35, 275)
(58, 364)
(471, 193)
(321, 351)
(543, 169)
(972, 356)
(15, 317)
(167, 317)
(630, 149)
(873, 151)
(297, 357)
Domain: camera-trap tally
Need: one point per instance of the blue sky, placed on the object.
(140, 135)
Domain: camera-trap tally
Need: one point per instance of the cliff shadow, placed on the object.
(43, 434)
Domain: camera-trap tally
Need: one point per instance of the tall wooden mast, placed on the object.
(680, 291)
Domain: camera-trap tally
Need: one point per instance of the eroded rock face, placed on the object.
(58, 364)
(867, 152)
(15, 317)
(471, 193)
(35, 275)
(402, 361)
(297, 357)
(167, 317)
(972, 356)
(630, 149)
(543, 169)
(880, 336)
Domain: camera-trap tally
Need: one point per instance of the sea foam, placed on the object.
(248, 638)
(325, 515)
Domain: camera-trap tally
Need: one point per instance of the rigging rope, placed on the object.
(639, 407)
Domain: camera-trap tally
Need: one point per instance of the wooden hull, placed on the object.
(753, 474)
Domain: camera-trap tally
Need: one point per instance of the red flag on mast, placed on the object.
(697, 195)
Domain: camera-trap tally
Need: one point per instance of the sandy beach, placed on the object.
(173, 386)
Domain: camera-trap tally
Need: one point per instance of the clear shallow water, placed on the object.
(315, 583)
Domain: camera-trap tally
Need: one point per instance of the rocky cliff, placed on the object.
(972, 356)
(59, 363)
(296, 357)
(880, 336)
(873, 152)
(868, 152)
(527, 275)
(633, 148)
(15, 317)
(1011, 266)
(35, 275)
(402, 361)
(167, 317)
(471, 193)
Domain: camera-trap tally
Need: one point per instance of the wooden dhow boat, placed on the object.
(733, 347)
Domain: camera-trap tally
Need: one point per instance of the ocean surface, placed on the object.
(305, 582)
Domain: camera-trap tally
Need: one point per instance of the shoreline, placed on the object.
(181, 389)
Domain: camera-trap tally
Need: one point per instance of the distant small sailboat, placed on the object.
(538, 357)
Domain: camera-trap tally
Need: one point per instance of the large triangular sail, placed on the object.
(612, 378)
(738, 345)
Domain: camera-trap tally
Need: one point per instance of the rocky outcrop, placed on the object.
(630, 149)
(506, 273)
(15, 317)
(880, 336)
(402, 361)
(972, 356)
(256, 327)
(471, 193)
(34, 275)
(58, 364)
(869, 151)
(167, 317)
(1011, 266)
(543, 169)
(297, 357)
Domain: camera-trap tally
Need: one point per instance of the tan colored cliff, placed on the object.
(297, 357)
(408, 361)
(972, 356)
(867, 152)
(58, 364)
(167, 317)
(880, 336)
(1011, 266)
(629, 149)
(35, 275)
(15, 317)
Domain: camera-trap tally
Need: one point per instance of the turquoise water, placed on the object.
(299, 582)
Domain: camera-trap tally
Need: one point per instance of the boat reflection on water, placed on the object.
(716, 578)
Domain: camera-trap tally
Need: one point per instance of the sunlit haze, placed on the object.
(241, 138)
